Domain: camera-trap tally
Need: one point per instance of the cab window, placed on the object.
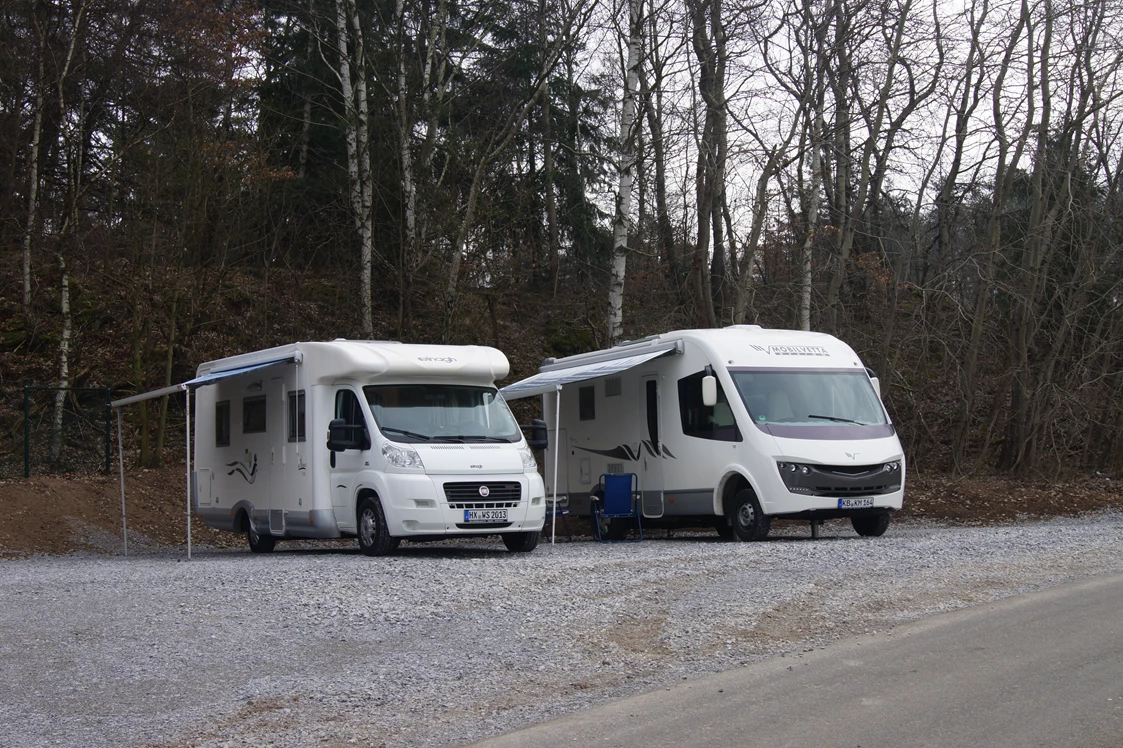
(713, 422)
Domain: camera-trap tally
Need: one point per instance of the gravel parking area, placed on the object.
(450, 643)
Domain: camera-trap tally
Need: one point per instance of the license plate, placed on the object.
(485, 515)
(862, 503)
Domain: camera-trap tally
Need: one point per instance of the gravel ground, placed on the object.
(450, 643)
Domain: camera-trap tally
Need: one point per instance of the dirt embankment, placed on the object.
(62, 514)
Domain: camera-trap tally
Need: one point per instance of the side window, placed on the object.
(715, 422)
(586, 399)
(347, 407)
(222, 423)
(253, 414)
(296, 416)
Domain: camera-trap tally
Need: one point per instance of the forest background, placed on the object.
(937, 183)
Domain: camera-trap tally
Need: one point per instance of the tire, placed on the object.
(521, 542)
(259, 543)
(871, 525)
(749, 522)
(374, 535)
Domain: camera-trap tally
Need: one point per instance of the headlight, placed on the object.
(529, 463)
(403, 457)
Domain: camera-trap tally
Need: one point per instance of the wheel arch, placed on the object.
(365, 492)
(242, 512)
(733, 481)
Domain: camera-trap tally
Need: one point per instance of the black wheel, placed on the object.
(724, 531)
(871, 525)
(374, 536)
(749, 522)
(259, 543)
(521, 542)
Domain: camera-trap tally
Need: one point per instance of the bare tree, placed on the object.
(356, 127)
(708, 38)
(625, 173)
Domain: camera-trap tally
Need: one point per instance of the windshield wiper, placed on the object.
(836, 419)
(403, 432)
(479, 437)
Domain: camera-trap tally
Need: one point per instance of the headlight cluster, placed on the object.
(403, 457)
(793, 467)
(891, 467)
(529, 463)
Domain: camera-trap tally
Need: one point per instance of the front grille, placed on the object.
(842, 480)
(839, 490)
(467, 495)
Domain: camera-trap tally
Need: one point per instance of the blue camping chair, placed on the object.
(555, 509)
(619, 502)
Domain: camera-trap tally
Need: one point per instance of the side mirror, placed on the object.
(342, 437)
(709, 390)
(537, 439)
(875, 382)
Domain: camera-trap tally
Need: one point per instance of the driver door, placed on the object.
(651, 449)
(346, 465)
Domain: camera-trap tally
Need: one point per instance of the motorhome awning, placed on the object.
(550, 381)
(197, 382)
(191, 384)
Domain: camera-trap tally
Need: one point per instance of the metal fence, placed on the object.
(34, 445)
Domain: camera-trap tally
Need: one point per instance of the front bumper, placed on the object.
(421, 505)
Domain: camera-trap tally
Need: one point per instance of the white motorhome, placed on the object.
(379, 440)
(729, 428)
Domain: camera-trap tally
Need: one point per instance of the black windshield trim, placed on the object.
(831, 432)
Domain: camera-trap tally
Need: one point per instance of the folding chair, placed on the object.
(619, 502)
(553, 509)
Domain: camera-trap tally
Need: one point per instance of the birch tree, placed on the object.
(356, 110)
(33, 177)
(71, 154)
(625, 173)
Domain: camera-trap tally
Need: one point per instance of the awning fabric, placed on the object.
(550, 381)
(197, 382)
(218, 376)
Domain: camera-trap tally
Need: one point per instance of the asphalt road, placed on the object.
(1044, 669)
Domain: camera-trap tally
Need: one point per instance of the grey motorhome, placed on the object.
(729, 428)
(378, 440)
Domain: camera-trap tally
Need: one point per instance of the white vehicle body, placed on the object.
(436, 446)
(798, 420)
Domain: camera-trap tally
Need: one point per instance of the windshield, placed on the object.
(809, 398)
(438, 412)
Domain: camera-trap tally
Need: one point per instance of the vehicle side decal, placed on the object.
(625, 451)
(247, 468)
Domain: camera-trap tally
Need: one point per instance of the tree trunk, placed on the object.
(552, 236)
(812, 223)
(169, 360)
(356, 114)
(63, 361)
(709, 180)
(665, 235)
(409, 189)
(32, 190)
(625, 171)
